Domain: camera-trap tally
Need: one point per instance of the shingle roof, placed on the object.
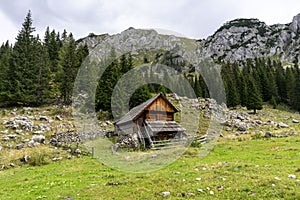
(164, 126)
(136, 111)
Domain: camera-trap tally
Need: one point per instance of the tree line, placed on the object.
(37, 71)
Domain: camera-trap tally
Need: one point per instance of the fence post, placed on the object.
(93, 151)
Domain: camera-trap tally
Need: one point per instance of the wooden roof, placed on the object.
(135, 112)
(164, 126)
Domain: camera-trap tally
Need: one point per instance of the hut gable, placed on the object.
(157, 103)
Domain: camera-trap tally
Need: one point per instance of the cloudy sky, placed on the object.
(192, 18)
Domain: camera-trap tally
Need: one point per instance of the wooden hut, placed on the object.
(151, 121)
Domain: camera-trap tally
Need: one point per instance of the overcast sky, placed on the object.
(192, 18)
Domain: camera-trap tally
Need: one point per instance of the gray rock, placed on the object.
(32, 143)
(39, 139)
(259, 122)
(0, 148)
(43, 118)
(5, 138)
(295, 121)
(295, 25)
(26, 158)
(206, 115)
(242, 127)
(78, 151)
(12, 164)
(166, 193)
(268, 134)
(292, 176)
(282, 125)
(20, 146)
(38, 132)
(19, 132)
(225, 123)
(59, 118)
(12, 136)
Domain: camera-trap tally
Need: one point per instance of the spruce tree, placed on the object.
(254, 101)
(68, 67)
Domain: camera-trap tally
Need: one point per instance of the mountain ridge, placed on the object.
(235, 40)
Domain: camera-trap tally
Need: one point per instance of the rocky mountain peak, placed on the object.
(295, 25)
(237, 39)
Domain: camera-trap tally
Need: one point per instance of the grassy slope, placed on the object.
(250, 172)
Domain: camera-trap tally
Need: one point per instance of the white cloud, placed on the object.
(192, 18)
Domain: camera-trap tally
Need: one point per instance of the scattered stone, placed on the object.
(268, 134)
(59, 118)
(190, 194)
(69, 157)
(69, 150)
(282, 125)
(25, 140)
(39, 139)
(242, 127)
(276, 178)
(259, 122)
(220, 187)
(78, 151)
(12, 136)
(32, 143)
(292, 176)
(109, 122)
(66, 198)
(198, 179)
(211, 192)
(19, 132)
(225, 123)
(0, 148)
(206, 115)
(12, 164)
(154, 155)
(208, 188)
(44, 118)
(295, 121)
(38, 132)
(200, 190)
(56, 159)
(5, 138)
(166, 193)
(25, 159)
(20, 146)
(5, 131)
(204, 169)
(273, 185)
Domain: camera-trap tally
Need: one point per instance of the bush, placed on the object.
(38, 159)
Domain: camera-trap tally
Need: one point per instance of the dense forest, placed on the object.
(41, 71)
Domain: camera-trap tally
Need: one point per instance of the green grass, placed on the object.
(244, 170)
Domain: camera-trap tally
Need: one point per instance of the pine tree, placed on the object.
(141, 95)
(5, 57)
(254, 101)
(68, 67)
(28, 61)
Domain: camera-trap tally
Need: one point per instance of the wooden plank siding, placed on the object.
(159, 110)
(160, 105)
